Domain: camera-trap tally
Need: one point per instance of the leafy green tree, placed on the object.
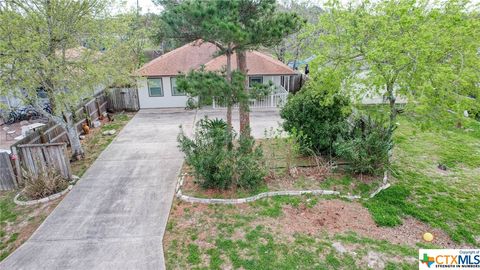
(424, 51)
(295, 46)
(68, 48)
(234, 26)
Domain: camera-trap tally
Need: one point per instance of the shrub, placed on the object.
(217, 162)
(366, 146)
(47, 182)
(209, 154)
(249, 168)
(320, 122)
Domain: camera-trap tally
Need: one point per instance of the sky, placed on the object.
(145, 5)
(148, 6)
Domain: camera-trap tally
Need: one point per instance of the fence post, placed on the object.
(98, 107)
(17, 165)
(213, 103)
(87, 115)
(271, 99)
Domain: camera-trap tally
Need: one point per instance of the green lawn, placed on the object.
(445, 199)
(253, 236)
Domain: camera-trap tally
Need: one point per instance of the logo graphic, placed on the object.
(448, 258)
(427, 260)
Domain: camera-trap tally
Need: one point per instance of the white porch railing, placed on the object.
(275, 100)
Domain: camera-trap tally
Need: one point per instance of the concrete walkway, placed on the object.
(115, 217)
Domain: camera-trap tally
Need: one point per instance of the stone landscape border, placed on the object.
(49, 198)
(42, 200)
(191, 199)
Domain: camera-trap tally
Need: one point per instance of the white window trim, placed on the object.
(161, 87)
(171, 88)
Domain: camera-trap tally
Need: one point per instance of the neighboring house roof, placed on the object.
(183, 59)
(257, 64)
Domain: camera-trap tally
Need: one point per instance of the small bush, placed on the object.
(320, 122)
(249, 168)
(209, 154)
(46, 183)
(366, 146)
(217, 162)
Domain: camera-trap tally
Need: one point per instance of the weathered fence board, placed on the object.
(53, 133)
(120, 99)
(46, 145)
(38, 157)
(7, 175)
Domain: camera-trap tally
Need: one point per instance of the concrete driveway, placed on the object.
(262, 121)
(115, 216)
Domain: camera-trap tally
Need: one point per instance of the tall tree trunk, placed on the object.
(393, 116)
(229, 79)
(244, 110)
(392, 99)
(75, 145)
(68, 124)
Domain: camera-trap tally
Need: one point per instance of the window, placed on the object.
(175, 91)
(155, 88)
(254, 80)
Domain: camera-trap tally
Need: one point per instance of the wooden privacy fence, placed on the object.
(91, 111)
(38, 157)
(53, 133)
(123, 99)
(7, 175)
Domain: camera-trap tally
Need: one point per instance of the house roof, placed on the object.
(189, 56)
(257, 64)
(197, 53)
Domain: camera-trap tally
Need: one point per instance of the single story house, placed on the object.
(156, 80)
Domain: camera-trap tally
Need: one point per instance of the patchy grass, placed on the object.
(255, 236)
(444, 199)
(95, 142)
(17, 223)
(381, 233)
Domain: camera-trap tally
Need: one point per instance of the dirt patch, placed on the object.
(336, 216)
(192, 188)
(330, 216)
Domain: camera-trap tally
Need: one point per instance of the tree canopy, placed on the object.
(424, 51)
(67, 48)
